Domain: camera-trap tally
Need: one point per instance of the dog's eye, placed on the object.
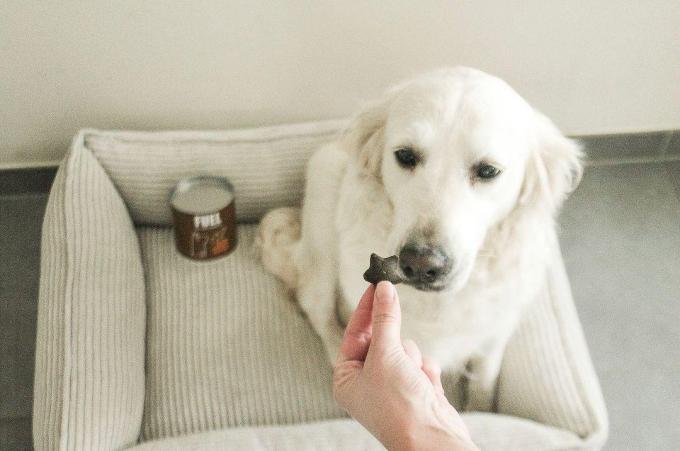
(407, 158)
(486, 171)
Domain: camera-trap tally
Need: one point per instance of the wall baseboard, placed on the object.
(601, 150)
(5, 166)
(623, 148)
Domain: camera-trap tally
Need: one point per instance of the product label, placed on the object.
(207, 221)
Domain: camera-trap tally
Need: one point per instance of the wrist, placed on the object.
(435, 438)
(417, 434)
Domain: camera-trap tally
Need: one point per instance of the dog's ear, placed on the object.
(554, 168)
(365, 136)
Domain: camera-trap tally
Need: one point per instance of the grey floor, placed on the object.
(621, 242)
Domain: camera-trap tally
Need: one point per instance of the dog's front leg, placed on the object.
(315, 256)
(317, 298)
(483, 377)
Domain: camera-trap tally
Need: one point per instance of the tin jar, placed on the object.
(204, 217)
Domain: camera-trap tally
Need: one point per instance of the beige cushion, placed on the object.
(332, 435)
(488, 431)
(89, 368)
(224, 345)
(266, 165)
(547, 374)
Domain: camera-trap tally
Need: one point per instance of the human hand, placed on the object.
(388, 385)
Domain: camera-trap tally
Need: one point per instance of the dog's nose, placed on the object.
(424, 264)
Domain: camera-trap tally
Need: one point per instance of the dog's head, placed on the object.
(456, 152)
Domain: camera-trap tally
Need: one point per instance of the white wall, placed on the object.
(594, 67)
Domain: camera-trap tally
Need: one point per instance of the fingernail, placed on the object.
(385, 292)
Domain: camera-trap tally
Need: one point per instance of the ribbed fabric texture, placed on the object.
(265, 165)
(89, 388)
(51, 323)
(490, 432)
(226, 346)
(223, 344)
(332, 435)
(547, 374)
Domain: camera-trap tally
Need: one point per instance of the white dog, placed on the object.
(457, 175)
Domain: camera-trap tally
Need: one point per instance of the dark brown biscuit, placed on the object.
(383, 269)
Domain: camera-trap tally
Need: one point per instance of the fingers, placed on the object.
(386, 319)
(434, 373)
(413, 352)
(357, 337)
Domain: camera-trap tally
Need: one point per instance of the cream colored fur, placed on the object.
(358, 200)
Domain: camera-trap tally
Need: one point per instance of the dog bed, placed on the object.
(140, 348)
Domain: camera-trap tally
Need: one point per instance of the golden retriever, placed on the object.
(457, 175)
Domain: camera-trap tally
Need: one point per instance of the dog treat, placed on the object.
(383, 269)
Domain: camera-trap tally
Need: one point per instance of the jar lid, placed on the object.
(201, 195)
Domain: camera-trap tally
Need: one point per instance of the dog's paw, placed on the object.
(277, 234)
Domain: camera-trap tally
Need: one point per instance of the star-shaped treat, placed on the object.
(383, 269)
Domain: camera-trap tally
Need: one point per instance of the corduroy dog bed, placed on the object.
(139, 347)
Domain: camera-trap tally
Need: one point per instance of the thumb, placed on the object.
(386, 319)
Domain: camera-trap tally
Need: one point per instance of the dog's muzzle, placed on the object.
(424, 267)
